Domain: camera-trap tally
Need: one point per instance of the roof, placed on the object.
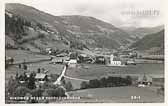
(83, 55)
(40, 76)
(72, 61)
(48, 49)
(57, 60)
(116, 59)
(145, 78)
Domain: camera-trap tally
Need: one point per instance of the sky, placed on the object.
(121, 13)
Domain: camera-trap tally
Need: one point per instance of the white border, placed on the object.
(2, 68)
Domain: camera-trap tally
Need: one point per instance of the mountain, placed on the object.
(142, 31)
(152, 42)
(69, 31)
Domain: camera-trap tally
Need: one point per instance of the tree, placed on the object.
(12, 60)
(25, 77)
(58, 92)
(84, 85)
(20, 66)
(103, 82)
(69, 86)
(38, 70)
(129, 80)
(37, 92)
(94, 83)
(12, 85)
(31, 81)
(25, 67)
(17, 77)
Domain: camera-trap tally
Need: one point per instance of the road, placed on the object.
(58, 81)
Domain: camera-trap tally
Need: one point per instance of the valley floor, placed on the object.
(92, 71)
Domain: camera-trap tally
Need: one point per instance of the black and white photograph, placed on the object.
(84, 51)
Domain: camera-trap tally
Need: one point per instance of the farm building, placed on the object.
(144, 80)
(72, 63)
(100, 60)
(48, 50)
(57, 60)
(41, 77)
(84, 58)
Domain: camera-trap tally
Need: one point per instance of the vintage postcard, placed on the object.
(84, 51)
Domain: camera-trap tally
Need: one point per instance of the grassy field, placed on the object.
(118, 95)
(21, 55)
(52, 69)
(92, 71)
(88, 72)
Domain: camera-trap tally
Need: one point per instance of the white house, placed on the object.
(72, 63)
(48, 50)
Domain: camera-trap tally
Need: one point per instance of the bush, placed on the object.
(58, 92)
(31, 81)
(48, 85)
(84, 85)
(37, 92)
(128, 80)
(107, 82)
(69, 86)
(94, 83)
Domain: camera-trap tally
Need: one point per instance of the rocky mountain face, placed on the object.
(38, 30)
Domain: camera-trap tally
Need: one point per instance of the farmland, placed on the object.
(88, 71)
(94, 71)
(118, 94)
(20, 56)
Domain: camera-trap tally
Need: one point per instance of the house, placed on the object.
(144, 81)
(41, 77)
(48, 50)
(100, 60)
(84, 58)
(57, 60)
(72, 63)
(9, 60)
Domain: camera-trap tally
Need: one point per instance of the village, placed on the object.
(77, 60)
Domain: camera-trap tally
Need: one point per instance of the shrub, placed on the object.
(58, 92)
(31, 81)
(107, 82)
(94, 83)
(37, 92)
(84, 85)
(69, 86)
(48, 85)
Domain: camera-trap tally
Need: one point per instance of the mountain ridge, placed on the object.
(88, 30)
(152, 42)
